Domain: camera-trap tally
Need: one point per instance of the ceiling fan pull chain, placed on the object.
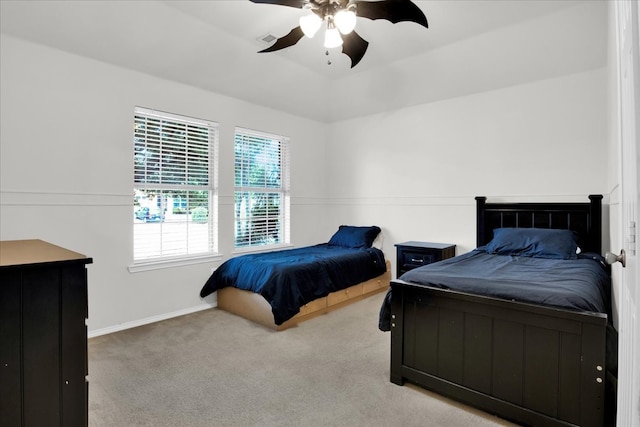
(328, 60)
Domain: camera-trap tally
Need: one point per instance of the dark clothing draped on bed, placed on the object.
(291, 278)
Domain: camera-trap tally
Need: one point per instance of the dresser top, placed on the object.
(21, 252)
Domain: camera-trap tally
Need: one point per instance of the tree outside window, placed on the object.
(261, 198)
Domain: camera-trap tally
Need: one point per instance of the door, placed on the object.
(627, 15)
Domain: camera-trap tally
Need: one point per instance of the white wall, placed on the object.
(67, 173)
(415, 171)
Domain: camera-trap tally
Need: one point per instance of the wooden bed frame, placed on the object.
(254, 307)
(531, 364)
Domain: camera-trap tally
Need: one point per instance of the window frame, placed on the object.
(284, 190)
(186, 258)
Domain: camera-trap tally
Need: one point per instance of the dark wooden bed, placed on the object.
(527, 363)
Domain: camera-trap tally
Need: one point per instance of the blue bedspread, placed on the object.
(291, 278)
(581, 284)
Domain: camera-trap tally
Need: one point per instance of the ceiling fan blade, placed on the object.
(290, 39)
(392, 10)
(354, 47)
(292, 3)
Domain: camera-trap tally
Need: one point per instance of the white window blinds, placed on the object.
(174, 210)
(261, 199)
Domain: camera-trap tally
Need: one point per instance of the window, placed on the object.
(261, 198)
(174, 207)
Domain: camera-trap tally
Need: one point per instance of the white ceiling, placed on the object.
(213, 44)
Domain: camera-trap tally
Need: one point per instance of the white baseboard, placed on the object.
(148, 320)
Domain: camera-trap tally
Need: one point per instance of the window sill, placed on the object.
(269, 248)
(173, 262)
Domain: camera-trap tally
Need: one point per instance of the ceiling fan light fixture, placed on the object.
(340, 17)
(310, 24)
(345, 20)
(332, 38)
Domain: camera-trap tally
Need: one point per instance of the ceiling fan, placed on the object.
(340, 18)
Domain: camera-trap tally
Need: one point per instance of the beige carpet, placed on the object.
(215, 369)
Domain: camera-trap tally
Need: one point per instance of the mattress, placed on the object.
(576, 284)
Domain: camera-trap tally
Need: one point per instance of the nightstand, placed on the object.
(410, 255)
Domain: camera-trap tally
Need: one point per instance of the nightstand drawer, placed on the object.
(414, 254)
(416, 259)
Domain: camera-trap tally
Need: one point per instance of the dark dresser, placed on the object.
(410, 255)
(43, 335)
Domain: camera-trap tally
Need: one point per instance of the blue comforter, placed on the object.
(291, 278)
(581, 284)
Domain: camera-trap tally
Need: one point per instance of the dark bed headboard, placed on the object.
(585, 219)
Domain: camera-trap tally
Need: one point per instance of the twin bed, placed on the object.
(280, 289)
(519, 327)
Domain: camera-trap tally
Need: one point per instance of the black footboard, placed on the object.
(529, 364)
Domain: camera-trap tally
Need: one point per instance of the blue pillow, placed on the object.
(533, 242)
(351, 236)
